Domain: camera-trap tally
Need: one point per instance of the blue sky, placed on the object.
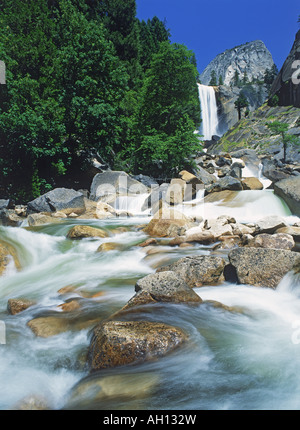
(210, 27)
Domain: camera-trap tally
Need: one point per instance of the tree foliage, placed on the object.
(86, 78)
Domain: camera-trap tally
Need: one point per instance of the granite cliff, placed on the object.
(252, 59)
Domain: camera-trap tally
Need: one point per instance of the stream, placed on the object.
(245, 359)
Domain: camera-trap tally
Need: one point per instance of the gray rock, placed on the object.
(227, 183)
(269, 224)
(167, 286)
(4, 204)
(9, 218)
(119, 343)
(289, 190)
(283, 86)
(260, 267)
(277, 241)
(60, 199)
(198, 271)
(252, 58)
(114, 183)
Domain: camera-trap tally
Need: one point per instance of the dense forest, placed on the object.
(87, 79)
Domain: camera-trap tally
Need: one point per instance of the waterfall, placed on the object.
(209, 112)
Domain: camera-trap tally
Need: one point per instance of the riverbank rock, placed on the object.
(110, 184)
(269, 224)
(260, 266)
(289, 191)
(292, 230)
(9, 218)
(198, 271)
(15, 306)
(252, 183)
(120, 343)
(167, 223)
(85, 231)
(176, 191)
(7, 254)
(167, 286)
(37, 219)
(58, 200)
(226, 183)
(277, 241)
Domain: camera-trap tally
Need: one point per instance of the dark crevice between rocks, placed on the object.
(230, 274)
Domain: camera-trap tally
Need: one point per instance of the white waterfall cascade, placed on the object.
(209, 111)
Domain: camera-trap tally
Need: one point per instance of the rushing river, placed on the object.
(247, 358)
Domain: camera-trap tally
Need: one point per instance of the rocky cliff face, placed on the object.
(252, 58)
(253, 132)
(256, 95)
(286, 86)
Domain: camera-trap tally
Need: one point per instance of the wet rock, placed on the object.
(293, 231)
(97, 210)
(33, 403)
(156, 199)
(60, 199)
(70, 306)
(167, 286)
(252, 184)
(120, 343)
(85, 231)
(147, 242)
(114, 183)
(41, 219)
(52, 325)
(4, 204)
(205, 177)
(176, 192)
(15, 306)
(198, 271)
(109, 246)
(269, 224)
(241, 229)
(289, 191)
(260, 266)
(204, 237)
(218, 227)
(277, 241)
(9, 218)
(227, 183)
(7, 253)
(96, 389)
(168, 223)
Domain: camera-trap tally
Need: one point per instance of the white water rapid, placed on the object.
(209, 112)
(246, 357)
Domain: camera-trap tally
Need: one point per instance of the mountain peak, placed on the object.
(251, 58)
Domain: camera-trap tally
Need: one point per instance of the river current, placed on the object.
(244, 358)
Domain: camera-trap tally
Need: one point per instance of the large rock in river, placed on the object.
(7, 254)
(289, 191)
(85, 231)
(168, 223)
(259, 266)
(199, 270)
(227, 183)
(114, 183)
(58, 200)
(120, 343)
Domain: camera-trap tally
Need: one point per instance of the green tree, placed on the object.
(281, 128)
(170, 109)
(213, 79)
(221, 81)
(240, 104)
